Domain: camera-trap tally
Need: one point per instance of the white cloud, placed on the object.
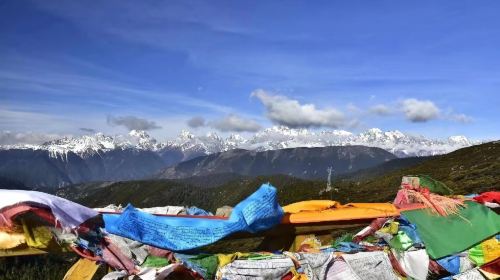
(381, 110)
(461, 118)
(132, 122)
(235, 123)
(420, 110)
(353, 108)
(11, 138)
(289, 112)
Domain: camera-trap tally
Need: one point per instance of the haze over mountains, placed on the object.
(106, 158)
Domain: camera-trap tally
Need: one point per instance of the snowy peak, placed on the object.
(139, 134)
(284, 130)
(277, 137)
(185, 135)
(84, 145)
(339, 133)
(376, 134)
(234, 141)
(459, 140)
(144, 140)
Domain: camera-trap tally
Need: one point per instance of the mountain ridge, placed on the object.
(98, 157)
(302, 162)
(473, 169)
(38, 169)
(187, 145)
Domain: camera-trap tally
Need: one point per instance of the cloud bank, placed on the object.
(12, 138)
(381, 110)
(196, 122)
(235, 123)
(289, 112)
(229, 123)
(132, 122)
(461, 118)
(419, 110)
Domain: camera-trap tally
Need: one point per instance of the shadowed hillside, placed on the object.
(473, 169)
(307, 163)
(470, 170)
(151, 193)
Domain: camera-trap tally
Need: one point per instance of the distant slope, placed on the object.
(473, 169)
(468, 170)
(384, 168)
(39, 169)
(149, 193)
(6, 183)
(308, 163)
(212, 180)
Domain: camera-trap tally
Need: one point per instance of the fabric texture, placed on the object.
(224, 259)
(326, 210)
(450, 263)
(414, 263)
(130, 248)
(370, 265)
(410, 230)
(369, 230)
(448, 235)
(9, 240)
(205, 265)
(485, 252)
(195, 211)
(152, 261)
(340, 270)
(493, 197)
(401, 241)
(472, 274)
(260, 211)
(115, 275)
(425, 181)
(37, 236)
(314, 265)
(256, 269)
(112, 255)
(347, 247)
(83, 269)
(492, 268)
(68, 213)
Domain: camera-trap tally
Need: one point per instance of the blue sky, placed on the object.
(422, 67)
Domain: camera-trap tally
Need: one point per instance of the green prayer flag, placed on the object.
(208, 262)
(401, 241)
(153, 261)
(446, 235)
(476, 254)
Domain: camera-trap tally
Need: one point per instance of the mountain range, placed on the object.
(468, 170)
(187, 145)
(307, 163)
(41, 169)
(100, 157)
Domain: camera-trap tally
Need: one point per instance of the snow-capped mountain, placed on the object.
(279, 137)
(100, 157)
(188, 145)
